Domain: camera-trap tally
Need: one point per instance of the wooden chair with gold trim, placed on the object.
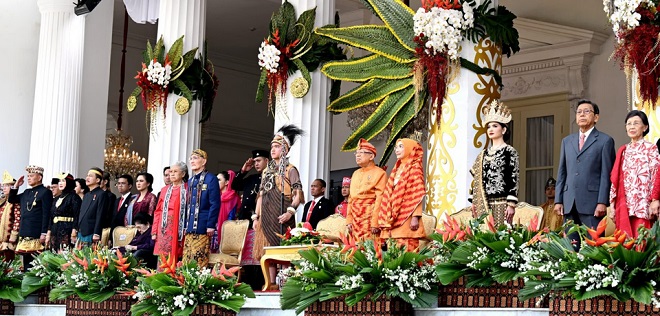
(430, 222)
(231, 243)
(464, 216)
(525, 212)
(123, 235)
(332, 226)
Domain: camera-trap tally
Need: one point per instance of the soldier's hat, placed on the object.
(260, 153)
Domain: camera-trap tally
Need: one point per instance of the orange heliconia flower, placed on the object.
(122, 263)
(618, 238)
(454, 231)
(533, 224)
(349, 244)
(101, 263)
(168, 264)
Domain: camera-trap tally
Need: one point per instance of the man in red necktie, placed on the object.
(318, 208)
(124, 186)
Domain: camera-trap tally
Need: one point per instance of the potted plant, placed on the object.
(494, 259)
(614, 271)
(186, 289)
(44, 274)
(360, 278)
(91, 279)
(10, 286)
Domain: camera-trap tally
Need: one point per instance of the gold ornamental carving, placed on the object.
(489, 55)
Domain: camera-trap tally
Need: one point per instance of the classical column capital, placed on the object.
(51, 6)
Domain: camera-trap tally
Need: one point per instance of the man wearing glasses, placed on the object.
(367, 186)
(585, 163)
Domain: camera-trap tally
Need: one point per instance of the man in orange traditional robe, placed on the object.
(367, 186)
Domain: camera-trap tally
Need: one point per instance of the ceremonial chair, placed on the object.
(430, 222)
(105, 237)
(609, 231)
(231, 243)
(123, 235)
(464, 216)
(332, 226)
(526, 212)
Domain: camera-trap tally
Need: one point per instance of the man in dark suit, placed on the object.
(585, 163)
(124, 186)
(318, 208)
(249, 185)
(89, 227)
(35, 213)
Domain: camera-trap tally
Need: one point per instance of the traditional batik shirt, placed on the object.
(501, 172)
(640, 163)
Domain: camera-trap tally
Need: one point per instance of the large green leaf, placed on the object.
(401, 120)
(366, 68)
(369, 92)
(448, 272)
(399, 19)
(175, 52)
(374, 38)
(96, 297)
(381, 117)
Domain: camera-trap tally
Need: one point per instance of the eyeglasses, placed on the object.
(586, 112)
(362, 152)
(634, 124)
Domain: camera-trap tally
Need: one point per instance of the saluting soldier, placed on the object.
(249, 184)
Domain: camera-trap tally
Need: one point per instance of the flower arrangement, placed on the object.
(173, 72)
(302, 234)
(179, 288)
(10, 280)
(292, 45)
(358, 272)
(486, 256)
(636, 24)
(94, 274)
(613, 266)
(409, 60)
(46, 271)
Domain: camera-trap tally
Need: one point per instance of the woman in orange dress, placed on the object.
(399, 216)
(172, 201)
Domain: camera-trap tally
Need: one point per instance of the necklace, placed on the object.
(60, 200)
(34, 202)
(493, 149)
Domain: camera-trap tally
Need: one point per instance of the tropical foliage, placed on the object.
(388, 76)
(292, 45)
(46, 271)
(95, 274)
(615, 266)
(179, 288)
(359, 272)
(486, 256)
(10, 280)
(174, 72)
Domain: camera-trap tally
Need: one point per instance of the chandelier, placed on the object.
(119, 159)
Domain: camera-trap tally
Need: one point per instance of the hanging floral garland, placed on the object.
(409, 61)
(173, 72)
(636, 25)
(292, 45)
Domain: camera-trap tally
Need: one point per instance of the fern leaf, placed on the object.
(366, 68)
(367, 93)
(398, 18)
(374, 38)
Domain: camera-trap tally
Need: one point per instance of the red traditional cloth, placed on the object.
(341, 208)
(167, 241)
(403, 196)
(635, 182)
(230, 201)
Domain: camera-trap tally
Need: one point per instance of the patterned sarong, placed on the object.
(196, 247)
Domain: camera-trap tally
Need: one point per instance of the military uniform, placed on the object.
(249, 185)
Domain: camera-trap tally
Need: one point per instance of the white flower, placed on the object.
(623, 16)
(269, 57)
(443, 29)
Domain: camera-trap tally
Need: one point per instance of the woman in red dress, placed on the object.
(172, 202)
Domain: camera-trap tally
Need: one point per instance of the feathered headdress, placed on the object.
(286, 135)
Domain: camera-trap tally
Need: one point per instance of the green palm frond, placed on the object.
(496, 24)
(382, 117)
(398, 17)
(374, 38)
(371, 91)
(401, 120)
(366, 68)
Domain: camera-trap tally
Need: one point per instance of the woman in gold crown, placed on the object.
(280, 180)
(496, 169)
(10, 217)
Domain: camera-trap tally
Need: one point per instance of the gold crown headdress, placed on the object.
(497, 112)
(7, 178)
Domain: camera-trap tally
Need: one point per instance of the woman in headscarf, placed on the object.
(635, 178)
(171, 204)
(279, 177)
(229, 205)
(63, 215)
(496, 169)
(400, 211)
(10, 218)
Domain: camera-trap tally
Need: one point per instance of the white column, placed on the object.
(179, 135)
(454, 144)
(56, 116)
(311, 153)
